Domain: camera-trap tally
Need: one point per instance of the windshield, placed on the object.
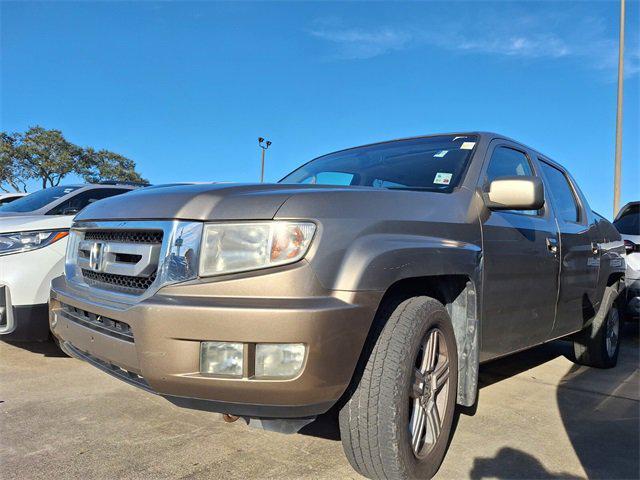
(36, 200)
(430, 163)
(629, 222)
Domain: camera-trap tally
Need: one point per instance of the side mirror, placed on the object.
(515, 193)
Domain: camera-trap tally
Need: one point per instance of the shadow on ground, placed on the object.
(599, 411)
(603, 428)
(47, 349)
(510, 463)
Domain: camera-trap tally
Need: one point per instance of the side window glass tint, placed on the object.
(507, 162)
(80, 201)
(564, 199)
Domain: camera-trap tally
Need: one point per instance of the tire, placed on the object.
(393, 397)
(598, 344)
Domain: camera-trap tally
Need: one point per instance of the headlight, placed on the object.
(238, 247)
(25, 241)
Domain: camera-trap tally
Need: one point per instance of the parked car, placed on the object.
(627, 222)
(10, 197)
(33, 240)
(372, 281)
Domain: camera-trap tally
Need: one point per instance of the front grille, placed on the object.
(125, 236)
(119, 283)
(102, 324)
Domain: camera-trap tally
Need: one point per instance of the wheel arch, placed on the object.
(458, 293)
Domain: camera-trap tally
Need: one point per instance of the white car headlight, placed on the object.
(238, 247)
(24, 241)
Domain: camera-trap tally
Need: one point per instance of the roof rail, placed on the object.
(124, 182)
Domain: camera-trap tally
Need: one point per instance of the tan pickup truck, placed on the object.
(372, 281)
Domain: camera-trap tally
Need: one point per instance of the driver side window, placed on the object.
(509, 162)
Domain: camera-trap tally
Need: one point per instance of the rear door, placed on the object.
(520, 285)
(579, 251)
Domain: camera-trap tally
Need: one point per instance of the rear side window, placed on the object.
(81, 200)
(565, 202)
(507, 162)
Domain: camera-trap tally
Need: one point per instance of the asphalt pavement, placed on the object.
(538, 416)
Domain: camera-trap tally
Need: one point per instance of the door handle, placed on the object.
(595, 248)
(552, 245)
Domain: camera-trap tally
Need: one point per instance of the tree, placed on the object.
(11, 172)
(47, 155)
(102, 165)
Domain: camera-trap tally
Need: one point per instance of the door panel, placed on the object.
(520, 284)
(579, 253)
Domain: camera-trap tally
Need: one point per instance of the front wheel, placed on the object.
(398, 422)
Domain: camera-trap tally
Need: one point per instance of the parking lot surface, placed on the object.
(539, 416)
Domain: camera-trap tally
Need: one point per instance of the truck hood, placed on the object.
(27, 223)
(206, 202)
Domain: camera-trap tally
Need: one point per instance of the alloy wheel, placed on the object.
(429, 393)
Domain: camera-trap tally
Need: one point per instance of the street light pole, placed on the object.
(264, 146)
(618, 161)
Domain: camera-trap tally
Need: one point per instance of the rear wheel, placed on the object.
(598, 344)
(398, 421)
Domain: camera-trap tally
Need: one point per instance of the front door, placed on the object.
(579, 250)
(520, 269)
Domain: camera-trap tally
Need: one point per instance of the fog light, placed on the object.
(221, 358)
(281, 360)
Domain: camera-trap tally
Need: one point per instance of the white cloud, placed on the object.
(555, 37)
(535, 46)
(361, 44)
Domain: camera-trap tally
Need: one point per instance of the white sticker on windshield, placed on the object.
(441, 153)
(68, 190)
(443, 178)
(467, 145)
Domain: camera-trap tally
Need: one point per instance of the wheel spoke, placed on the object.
(417, 425)
(430, 353)
(433, 423)
(440, 376)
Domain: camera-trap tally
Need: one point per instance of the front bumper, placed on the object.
(25, 280)
(167, 328)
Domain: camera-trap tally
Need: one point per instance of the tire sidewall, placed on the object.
(613, 359)
(427, 466)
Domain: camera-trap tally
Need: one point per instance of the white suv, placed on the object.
(628, 224)
(33, 240)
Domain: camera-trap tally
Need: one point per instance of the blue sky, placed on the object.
(185, 89)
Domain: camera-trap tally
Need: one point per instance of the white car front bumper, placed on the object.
(25, 281)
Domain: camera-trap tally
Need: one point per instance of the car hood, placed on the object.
(206, 202)
(34, 222)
